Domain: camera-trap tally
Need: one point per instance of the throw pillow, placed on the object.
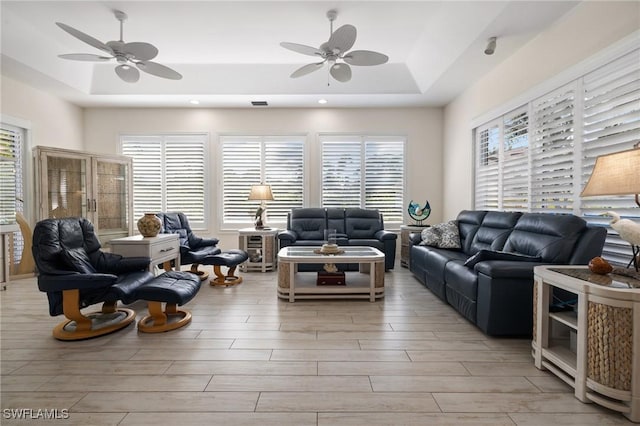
(78, 260)
(442, 235)
(430, 236)
(450, 238)
(484, 255)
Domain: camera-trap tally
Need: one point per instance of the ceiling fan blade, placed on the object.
(85, 37)
(342, 39)
(85, 57)
(365, 58)
(306, 69)
(301, 48)
(128, 73)
(141, 51)
(341, 72)
(158, 70)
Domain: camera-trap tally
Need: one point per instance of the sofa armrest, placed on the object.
(506, 269)
(415, 238)
(288, 236)
(383, 235)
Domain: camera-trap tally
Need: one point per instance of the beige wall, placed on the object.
(586, 30)
(422, 126)
(54, 122)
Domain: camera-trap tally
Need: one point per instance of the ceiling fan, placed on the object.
(126, 54)
(335, 50)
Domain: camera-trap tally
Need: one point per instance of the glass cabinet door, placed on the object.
(112, 197)
(66, 180)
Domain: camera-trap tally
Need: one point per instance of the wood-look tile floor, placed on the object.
(249, 358)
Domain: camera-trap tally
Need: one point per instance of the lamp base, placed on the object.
(635, 259)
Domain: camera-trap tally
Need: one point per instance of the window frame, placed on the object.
(363, 140)
(582, 153)
(163, 136)
(262, 140)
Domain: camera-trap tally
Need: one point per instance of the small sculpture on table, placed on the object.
(418, 213)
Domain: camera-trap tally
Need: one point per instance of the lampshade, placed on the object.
(261, 193)
(615, 174)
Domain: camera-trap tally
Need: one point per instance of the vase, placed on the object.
(149, 225)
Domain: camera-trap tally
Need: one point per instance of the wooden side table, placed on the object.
(602, 365)
(261, 246)
(405, 243)
(161, 248)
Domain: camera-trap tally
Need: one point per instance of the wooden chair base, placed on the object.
(101, 324)
(201, 274)
(225, 280)
(159, 321)
(79, 326)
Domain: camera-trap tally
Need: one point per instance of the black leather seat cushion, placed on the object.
(170, 287)
(228, 258)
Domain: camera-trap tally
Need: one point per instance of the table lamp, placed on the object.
(619, 174)
(261, 193)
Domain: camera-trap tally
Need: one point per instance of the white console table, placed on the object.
(604, 365)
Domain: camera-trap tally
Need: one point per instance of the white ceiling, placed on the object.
(229, 53)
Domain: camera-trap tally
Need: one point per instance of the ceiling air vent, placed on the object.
(259, 103)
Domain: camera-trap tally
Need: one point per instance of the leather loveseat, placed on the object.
(354, 226)
(494, 289)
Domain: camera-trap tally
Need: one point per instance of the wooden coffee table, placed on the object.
(368, 282)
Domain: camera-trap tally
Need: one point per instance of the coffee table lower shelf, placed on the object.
(357, 287)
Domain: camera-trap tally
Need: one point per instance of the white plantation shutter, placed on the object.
(384, 178)
(341, 173)
(12, 184)
(611, 124)
(515, 161)
(249, 160)
(569, 128)
(367, 172)
(552, 145)
(168, 174)
(284, 171)
(184, 163)
(487, 167)
(10, 145)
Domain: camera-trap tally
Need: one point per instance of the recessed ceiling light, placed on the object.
(194, 102)
(322, 101)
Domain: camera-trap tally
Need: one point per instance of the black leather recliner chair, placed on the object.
(193, 249)
(75, 273)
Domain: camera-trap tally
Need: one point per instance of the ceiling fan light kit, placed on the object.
(334, 50)
(131, 57)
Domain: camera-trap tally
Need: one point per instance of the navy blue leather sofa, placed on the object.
(354, 226)
(497, 294)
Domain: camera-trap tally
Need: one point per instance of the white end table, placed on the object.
(261, 246)
(161, 248)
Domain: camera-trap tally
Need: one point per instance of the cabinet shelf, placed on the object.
(568, 318)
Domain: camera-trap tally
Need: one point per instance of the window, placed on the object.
(364, 171)
(169, 174)
(544, 164)
(12, 184)
(250, 160)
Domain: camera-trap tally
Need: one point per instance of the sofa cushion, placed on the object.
(309, 223)
(442, 235)
(484, 255)
(335, 219)
(551, 237)
(468, 223)
(362, 223)
(493, 231)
